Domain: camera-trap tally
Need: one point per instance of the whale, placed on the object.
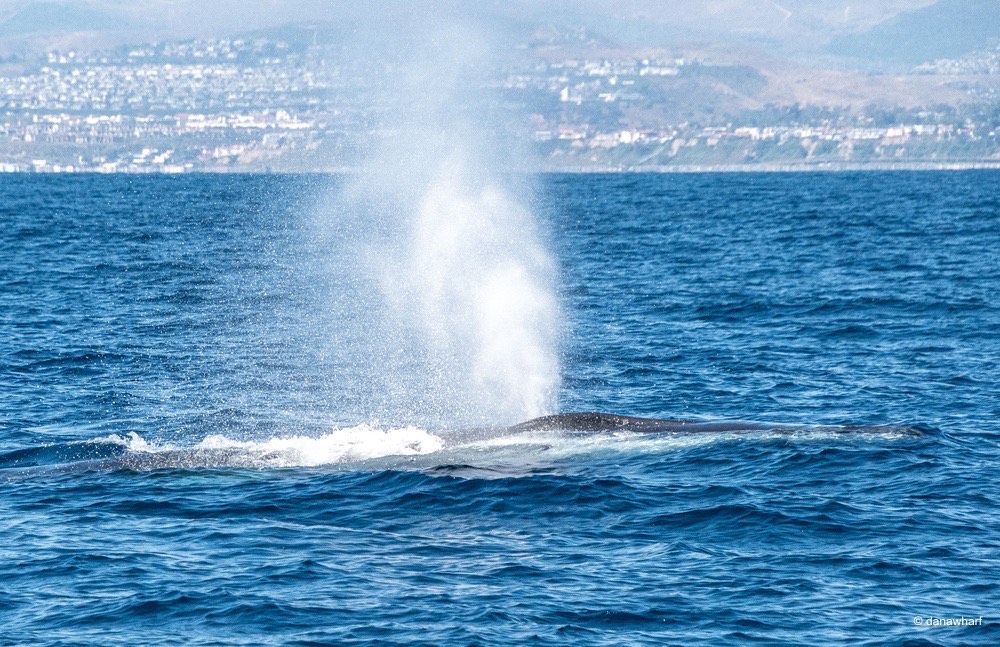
(595, 421)
(105, 456)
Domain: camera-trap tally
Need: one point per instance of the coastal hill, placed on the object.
(309, 95)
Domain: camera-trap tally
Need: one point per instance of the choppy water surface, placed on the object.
(193, 450)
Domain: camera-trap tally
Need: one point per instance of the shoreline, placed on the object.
(824, 167)
(547, 170)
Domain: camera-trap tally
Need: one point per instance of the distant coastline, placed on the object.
(788, 168)
(824, 167)
(255, 106)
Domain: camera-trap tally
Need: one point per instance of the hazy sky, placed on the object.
(789, 27)
(708, 16)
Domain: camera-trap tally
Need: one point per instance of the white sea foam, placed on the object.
(568, 444)
(339, 446)
(353, 445)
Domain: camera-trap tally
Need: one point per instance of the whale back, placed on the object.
(596, 421)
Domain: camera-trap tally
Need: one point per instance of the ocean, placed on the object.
(211, 435)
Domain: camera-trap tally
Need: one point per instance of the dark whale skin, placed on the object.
(596, 421)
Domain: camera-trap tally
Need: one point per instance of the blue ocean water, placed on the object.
(187, 457)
